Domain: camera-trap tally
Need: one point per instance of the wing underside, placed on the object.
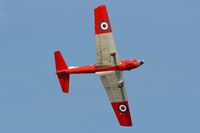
(106, 55)
(114, 85)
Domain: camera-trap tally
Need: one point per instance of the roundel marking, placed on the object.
(104, 26)
(122, 108)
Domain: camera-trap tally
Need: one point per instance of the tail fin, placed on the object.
(61, 68)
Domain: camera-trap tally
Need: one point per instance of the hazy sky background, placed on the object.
(164, 94)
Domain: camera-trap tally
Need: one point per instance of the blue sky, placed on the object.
(163, 94)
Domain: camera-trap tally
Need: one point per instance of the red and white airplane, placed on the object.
(108, 67)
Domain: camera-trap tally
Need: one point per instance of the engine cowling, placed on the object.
(129, 64)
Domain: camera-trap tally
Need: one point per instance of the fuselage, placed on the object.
(124, 65)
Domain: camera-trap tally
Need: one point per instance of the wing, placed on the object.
(114, 85)
(106, 54)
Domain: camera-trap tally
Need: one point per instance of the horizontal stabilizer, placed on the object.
(59, 61)
(64, 81)
(61, 68)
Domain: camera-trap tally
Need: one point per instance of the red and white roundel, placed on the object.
(104, 26)
(123, 108)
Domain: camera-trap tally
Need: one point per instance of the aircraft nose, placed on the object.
(141, 62)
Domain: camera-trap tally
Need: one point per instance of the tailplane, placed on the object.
(61, 68)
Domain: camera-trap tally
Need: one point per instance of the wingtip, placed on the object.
(100, 6)
(57, 51)
(126, 124)
(101, 18)
(65, 91)
(122, 112)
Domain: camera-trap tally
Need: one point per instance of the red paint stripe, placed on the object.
(100, 15)
(124, 118)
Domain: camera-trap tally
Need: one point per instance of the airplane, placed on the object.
(108, 67)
